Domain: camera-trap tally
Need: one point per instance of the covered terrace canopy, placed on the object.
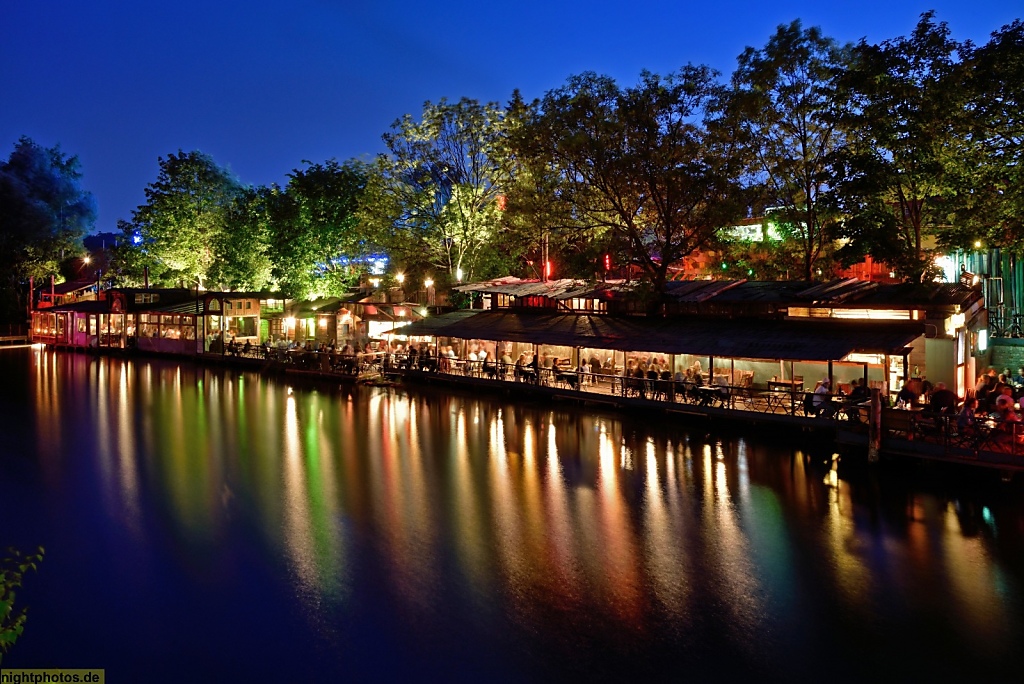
(751, 338)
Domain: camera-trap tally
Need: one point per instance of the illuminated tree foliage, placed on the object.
(44, 213)
(317, 245)
(437, 195)
(242, 252)
(183, 220)
(13, 567)
(903, 116)
(785, 106)
(639, 163)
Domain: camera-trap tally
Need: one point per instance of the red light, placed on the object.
(547, 269)
(607, 262)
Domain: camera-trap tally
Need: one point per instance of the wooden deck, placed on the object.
(991, 447)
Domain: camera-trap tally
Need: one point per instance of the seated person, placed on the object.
(907, 395)
(943, 400)
(967, 419)
(822, 399)
(1018, 379)
(505, 363)
(858, 391)
(520, 369)
(1006, 415)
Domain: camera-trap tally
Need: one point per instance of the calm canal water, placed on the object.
(203, 524)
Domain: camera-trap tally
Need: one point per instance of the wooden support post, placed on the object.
(875, 425)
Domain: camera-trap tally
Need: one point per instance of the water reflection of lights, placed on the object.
(728, 546)
(617, 561)
(667, 566)
(853, 577)
(534, 514)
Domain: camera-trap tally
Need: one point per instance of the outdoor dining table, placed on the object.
(781, 394)
(525, 373)
(568, 377)
(709, 394)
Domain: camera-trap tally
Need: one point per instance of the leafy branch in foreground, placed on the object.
(12, 569)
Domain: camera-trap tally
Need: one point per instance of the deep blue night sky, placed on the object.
(263, 85)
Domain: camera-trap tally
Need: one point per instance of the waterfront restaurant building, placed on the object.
(740, 333)
(163, 320)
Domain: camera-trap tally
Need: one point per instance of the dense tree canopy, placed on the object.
(315, 239)
(903, 116)
(438, 193)
(639, 162)
(987, 202)
(44, 212)
(785, 105)
(177, 230)
(243, 259)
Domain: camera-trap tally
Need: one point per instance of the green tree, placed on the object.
(242, 258)
(44, 213)
(317, 243)
(902, 119)
(438, 193)
(12, 572)
(532, 220)
(784, 102)
(639, 163)
(987, 166)
(183, 219)
(130, 258)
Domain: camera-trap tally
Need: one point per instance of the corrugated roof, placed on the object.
(848, 292)
(432, 324)
(921, 294)
(67, 287)
(838, 290)
(698, 290)
(740, 338)
(763, 291)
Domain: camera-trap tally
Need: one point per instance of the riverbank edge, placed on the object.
(804, 432)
